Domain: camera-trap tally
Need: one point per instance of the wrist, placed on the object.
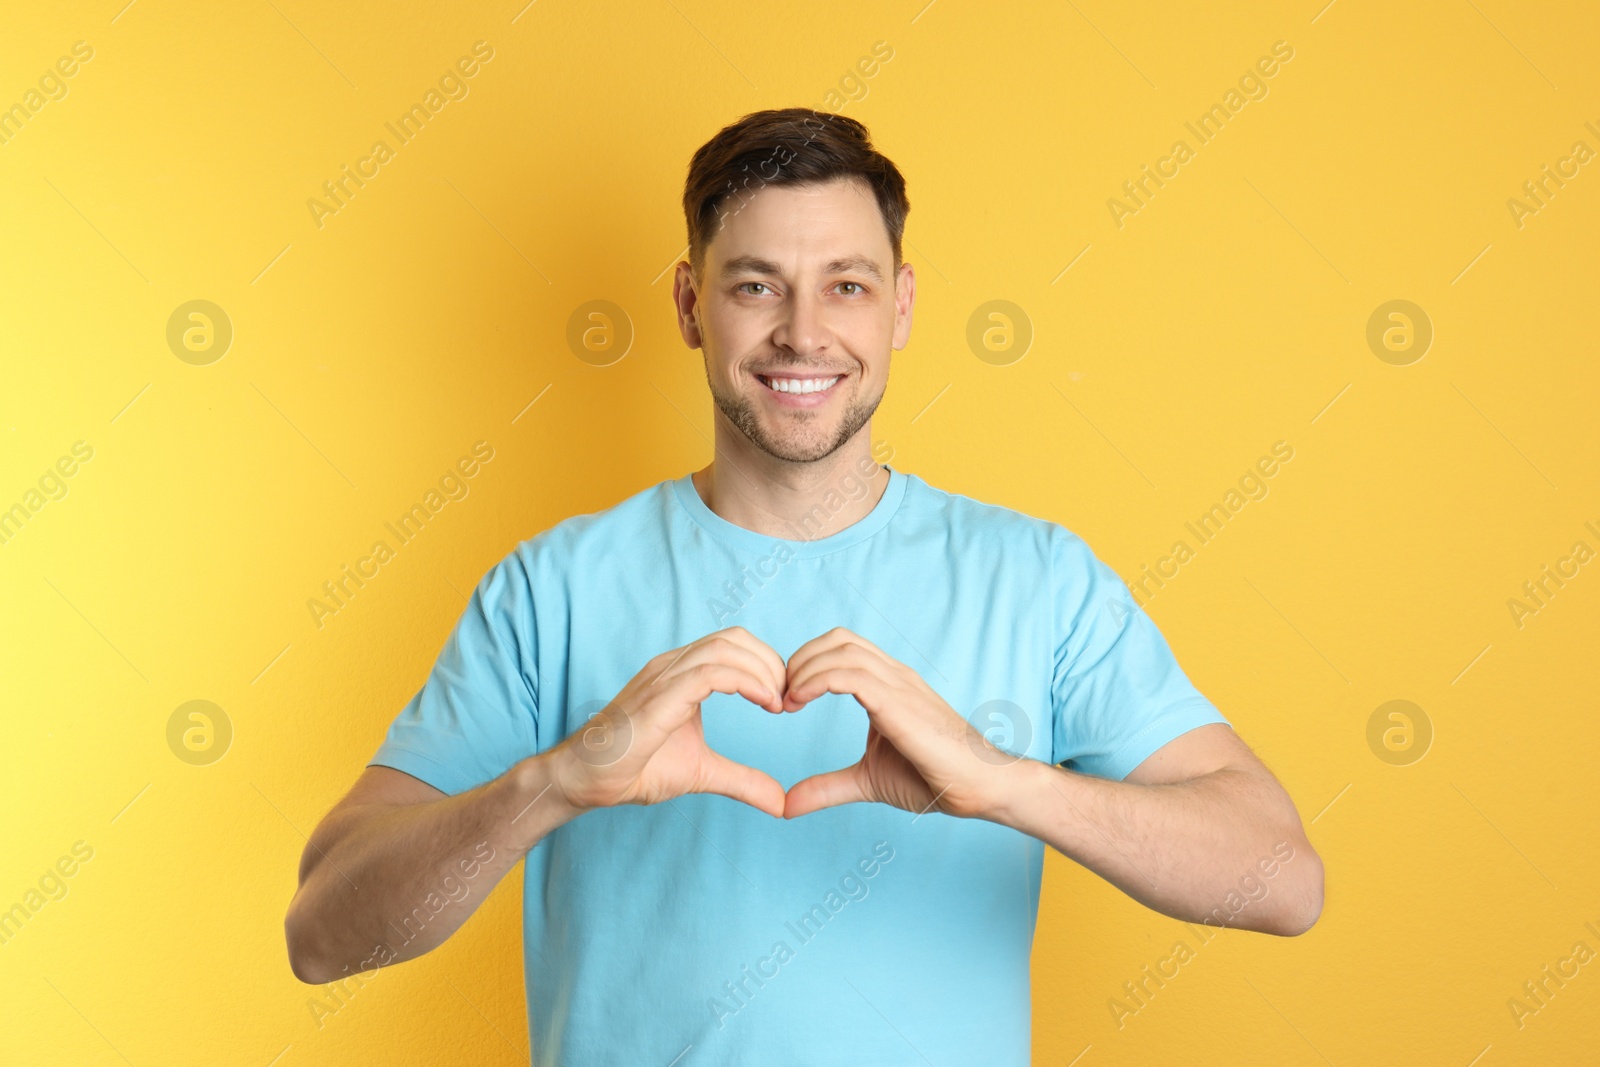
(534, 802)
(1016, 792)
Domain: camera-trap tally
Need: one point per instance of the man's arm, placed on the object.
(1198, 831)
(1200, 825)
(397, 849)
(377, 869)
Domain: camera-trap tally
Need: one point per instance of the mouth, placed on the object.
(800, 390)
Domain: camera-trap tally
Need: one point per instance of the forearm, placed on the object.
(388, 882)
(1225, 847)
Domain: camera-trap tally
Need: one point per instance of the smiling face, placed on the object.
(797, 312)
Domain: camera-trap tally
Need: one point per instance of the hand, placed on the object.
(920, 754)
(648, 745)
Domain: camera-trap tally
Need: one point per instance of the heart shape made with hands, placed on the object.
(919, 753)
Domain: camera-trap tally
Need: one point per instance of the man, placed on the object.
(782, 741)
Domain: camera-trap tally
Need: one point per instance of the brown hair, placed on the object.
(788, 146)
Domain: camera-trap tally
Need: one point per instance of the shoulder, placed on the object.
(993, 526)
(994, 544)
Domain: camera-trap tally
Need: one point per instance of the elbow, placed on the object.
(303, 960)
(1306, 908)
(308, 972)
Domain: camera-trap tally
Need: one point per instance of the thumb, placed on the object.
(723, 776)
(844, 786)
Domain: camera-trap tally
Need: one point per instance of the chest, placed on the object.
(979, 632)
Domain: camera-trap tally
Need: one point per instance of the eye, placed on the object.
(762, 284)
(858, 286)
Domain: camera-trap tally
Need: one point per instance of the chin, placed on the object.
(799, 450)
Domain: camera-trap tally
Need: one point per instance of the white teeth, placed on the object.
(800, 385)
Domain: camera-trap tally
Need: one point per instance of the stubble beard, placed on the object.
(798, 446)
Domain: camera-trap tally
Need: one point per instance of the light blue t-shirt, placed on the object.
(702, 932)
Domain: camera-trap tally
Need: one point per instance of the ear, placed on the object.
(686, 304)
(905, 298)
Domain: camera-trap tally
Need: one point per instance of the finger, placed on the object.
(848, 654)
(840, 671)
(725, 652)
(821, 643)
(721, 646)
(735, 650)
(836, 638)
(854, 638)
(844, 786)
(725, 777)
(681, 693)
(764, 651)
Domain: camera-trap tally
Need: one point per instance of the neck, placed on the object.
(790, 500)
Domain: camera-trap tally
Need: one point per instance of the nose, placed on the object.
(803, 328)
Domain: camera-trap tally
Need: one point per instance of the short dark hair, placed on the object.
(785, 146)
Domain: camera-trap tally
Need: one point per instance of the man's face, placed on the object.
(797, 313)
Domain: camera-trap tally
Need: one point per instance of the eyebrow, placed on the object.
(843, 265)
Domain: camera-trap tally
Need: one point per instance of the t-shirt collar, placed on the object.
(805, 540)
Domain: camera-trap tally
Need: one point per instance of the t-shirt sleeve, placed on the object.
(1118, 694)
(477, 712)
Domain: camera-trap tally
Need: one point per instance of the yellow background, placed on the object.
(1229, 313)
